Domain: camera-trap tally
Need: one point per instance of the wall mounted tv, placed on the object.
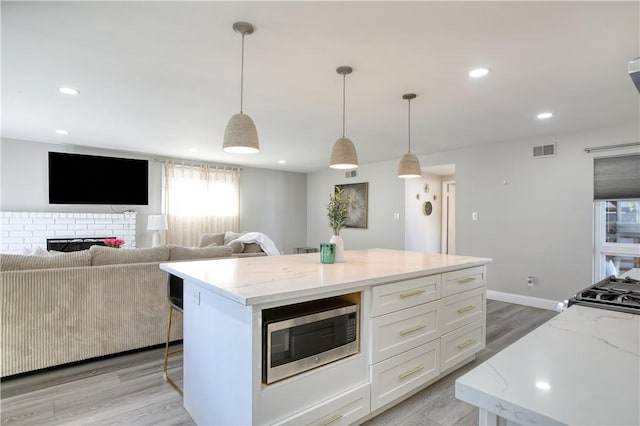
(91, 179)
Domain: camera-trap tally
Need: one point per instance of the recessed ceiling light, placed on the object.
(62, 132)
(544, 115)
(282, 162)
(478, 72)
(68, 90)
(193, 149)
(543, 385)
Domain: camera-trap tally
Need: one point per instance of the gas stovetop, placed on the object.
(618, 294)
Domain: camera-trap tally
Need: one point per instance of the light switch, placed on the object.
(396, 216)
(195, 296)
(474, 216)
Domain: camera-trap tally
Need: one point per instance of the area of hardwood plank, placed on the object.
(130, 390)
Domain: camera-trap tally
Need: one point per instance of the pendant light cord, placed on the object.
(242, 74)
(344, 85)
(409, 125)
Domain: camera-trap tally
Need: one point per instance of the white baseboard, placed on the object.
(535, 302)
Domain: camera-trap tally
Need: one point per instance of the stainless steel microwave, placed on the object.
(297, 338)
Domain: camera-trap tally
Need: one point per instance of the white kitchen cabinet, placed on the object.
(463, 308)
(421, 328)
(400, 331)
(395, 377)
(343, 409)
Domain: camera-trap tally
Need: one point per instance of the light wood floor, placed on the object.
(129, 389)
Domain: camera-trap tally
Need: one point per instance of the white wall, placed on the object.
(386, 197)
(275, 203)
(269, 199)
(541, 222)
(423, 233)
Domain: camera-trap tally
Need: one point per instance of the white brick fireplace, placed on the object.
(30, 230)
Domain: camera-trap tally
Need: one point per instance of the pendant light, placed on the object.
(240, 135)
(409, 166)
(343, 153)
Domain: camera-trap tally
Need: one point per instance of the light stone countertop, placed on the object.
(256, 280)
(580, 368)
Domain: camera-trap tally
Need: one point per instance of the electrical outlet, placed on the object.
(530, 281)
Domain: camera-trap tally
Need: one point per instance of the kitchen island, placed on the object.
(580, 368)
(421, 316)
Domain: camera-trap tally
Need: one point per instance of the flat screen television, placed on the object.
(91, 179)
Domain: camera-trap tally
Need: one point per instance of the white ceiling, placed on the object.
(163, 77)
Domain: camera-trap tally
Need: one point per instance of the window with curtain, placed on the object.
(616, 184)
(199, 199)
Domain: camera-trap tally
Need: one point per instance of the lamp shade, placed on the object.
(240, 135)
(409, 166)
(343, 155)
(157, 222)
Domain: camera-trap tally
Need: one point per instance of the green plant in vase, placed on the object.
(337, 213)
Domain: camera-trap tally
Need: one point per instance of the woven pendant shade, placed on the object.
(343, 155)
(240, 135)
(409, 166)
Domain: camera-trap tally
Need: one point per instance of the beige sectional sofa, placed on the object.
(75, 306)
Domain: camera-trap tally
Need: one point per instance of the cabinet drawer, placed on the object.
(343, 409)
(396, 376)
(463, 280)
(404, 294)
(462, 308)
(400, 331)
(461, 343)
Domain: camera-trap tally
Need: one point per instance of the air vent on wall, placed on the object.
(351, 174)
(544, 150)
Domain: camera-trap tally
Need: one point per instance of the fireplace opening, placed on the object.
(74, 244)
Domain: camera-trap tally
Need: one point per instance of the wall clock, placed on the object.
(427, 208)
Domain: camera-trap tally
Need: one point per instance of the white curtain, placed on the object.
(199, 199)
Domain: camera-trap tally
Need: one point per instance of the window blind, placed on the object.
(616, 178)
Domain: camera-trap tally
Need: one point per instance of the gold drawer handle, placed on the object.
(466, 280)
(465, 344)
(412, 329)
(410, 372)
(332, 420)
(411, 293)
(466, 309)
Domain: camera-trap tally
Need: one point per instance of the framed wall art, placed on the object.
(359, 209)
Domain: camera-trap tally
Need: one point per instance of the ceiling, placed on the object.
(163, 78)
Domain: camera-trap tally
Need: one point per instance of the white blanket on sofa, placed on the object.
(265, 243)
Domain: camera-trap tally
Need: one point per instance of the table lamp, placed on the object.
(156, 223)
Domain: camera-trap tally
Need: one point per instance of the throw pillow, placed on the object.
(19, 262)
(236, 246)
(191, 253)
(208, 239)
(230, 236)
(101, 255)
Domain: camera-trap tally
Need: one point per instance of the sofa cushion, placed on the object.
(252, 248)
(101, 255)
(230, 236)
(19, 262)
(189, 253)
(236, 246)
(208, 239)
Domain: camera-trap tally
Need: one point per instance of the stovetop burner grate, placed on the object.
(621, 294)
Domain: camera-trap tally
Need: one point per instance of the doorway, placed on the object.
(448, 217)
